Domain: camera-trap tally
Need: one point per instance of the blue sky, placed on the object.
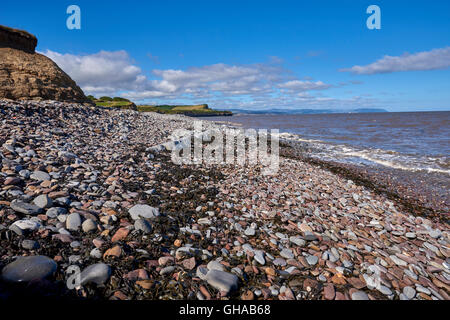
(250, 54)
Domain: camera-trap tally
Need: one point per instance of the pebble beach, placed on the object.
(85, 187)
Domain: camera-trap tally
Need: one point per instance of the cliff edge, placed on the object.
(27, 75)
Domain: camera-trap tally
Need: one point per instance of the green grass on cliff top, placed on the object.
(193, 110)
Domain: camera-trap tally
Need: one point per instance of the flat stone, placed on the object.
(113, 252)
(312, 260)
(435, 234)
(410, 274)
(259, 257)
(143, 225)
(297, 241)
(189, 263)
(96, 253)
(360, 295)
(403, 297)
(409, 292)
(398, 261)
(120, 234)
(43, 201)
(287, 253)
(204, 221)
(431, 247)
(24, 173)
(356, 282)
(329, 292)
(62, 218)
(201, 273)
(279, 262)
(305, 228)
(73, 221)
(347, 264)
(422, 289)
(222, 281)
(215, 265)
(138, 274)
(167, 270)
(165, 260)
(384, 290)
(40, 176)
(410, 235)
(65, 238)
(309, 236)
(21, 226)
(75, 244)
(26, 269)
(249, 231)
(75, 259)
(12, 181)
(143, 211)
(89, 225)
(97, 273)
(30, 244)
(54, 212)
(25, 208)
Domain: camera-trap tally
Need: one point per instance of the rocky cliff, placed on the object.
(17, 39)
(27, 75)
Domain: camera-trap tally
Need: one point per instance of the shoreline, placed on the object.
(395, 184)
(220, 232)
(430, 197)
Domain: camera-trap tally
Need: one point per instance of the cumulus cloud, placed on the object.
(102, 72)
(297, 85)
(219, 79)
(426, 60)
(259, 85)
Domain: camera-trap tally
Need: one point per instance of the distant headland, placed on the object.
(308, 111)
(200, 110)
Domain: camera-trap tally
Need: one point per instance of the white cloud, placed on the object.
(297, 85)
(102, 72)
(262, 85)
(426, 60)
(219, 79)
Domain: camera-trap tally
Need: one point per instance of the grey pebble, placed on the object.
(25, 269)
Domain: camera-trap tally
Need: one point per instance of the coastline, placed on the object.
(423, 191)
(307, 233)
(402, 186)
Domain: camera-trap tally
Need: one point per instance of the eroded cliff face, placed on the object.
(27, 75)
(17, 39)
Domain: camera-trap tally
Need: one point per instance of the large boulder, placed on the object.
(27, 75)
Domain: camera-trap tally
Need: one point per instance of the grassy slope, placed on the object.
(114, 104)
(193, 110)
(189, 110)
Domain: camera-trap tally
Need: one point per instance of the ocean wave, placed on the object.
(387, 158)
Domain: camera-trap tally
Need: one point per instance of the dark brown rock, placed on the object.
(17, 39)
(329, 292)
(26, 75)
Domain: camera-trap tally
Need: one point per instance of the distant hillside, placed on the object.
(308, 111)
(116, 102)
(201, 110)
